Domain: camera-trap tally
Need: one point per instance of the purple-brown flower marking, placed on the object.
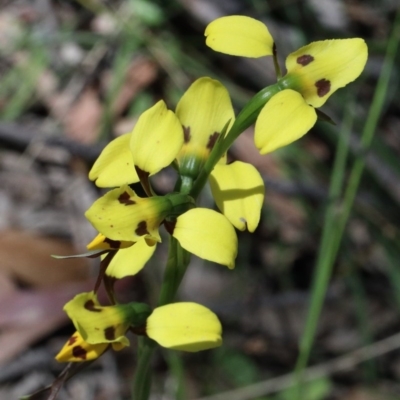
(124, 198)
(90, 306)
(79, 352)
(114, 244)
(186, 134)
(142, 229)
(305, 59)
(212, 140)
(109, 333)
(323, 87)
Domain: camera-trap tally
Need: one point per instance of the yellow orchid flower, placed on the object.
(314, 72)
(99, 324)
(125, 217)
(241, 199)
(184, 326)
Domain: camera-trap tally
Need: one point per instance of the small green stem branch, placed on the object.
(246, 118)
(335, 221)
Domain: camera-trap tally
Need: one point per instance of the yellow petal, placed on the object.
(184, 326)
(203, 110)
(238, 190)
(98, 324)
(121, 215)
(130, 261)
(320, 68)
(239, 36)
(100, 242)
(77, 350)
(114, 167)
(207, 234)
(284, 119)
(156, 139)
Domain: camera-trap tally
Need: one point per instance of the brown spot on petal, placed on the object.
(90, 306)
(114, 244)
(323, 87)
(109, 333)
(142, 229)
(305, 59)
(72, 340)
(212, 140)
(186, 134)
(79, 352)
(124, 198)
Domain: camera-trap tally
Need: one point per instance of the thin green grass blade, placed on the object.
(333, 232)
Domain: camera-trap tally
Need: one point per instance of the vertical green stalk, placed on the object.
(142, 381)
(333, 232)
(178, 260)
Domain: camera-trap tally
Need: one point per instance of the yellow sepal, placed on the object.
(184, 326)
(284, 119)
(238, 190)
(239, 36)
(207, 234)
(156, 139)
(130, 261)
(114, 167)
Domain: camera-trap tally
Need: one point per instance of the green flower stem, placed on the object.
(246, 118)
(333, 233)
(142, 380)
(178, 261)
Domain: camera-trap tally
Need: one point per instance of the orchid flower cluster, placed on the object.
(194, 140)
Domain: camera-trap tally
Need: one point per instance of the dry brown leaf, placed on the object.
(27, 258)
(82, 122)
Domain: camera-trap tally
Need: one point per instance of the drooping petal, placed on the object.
(156, 139)
(77, 350)
(207, 234)
(100, 242)
(238, 190)
(130, 261)
(284, 119)
(203, 110)
(98, 324)
(184, 326)
(239, 36)
(320, 68)
(122, 215)
(114, 167)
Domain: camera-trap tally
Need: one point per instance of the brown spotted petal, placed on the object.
(99, 324)
(77, 350)
(121, 215)
(320, 68)
(203, 111)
